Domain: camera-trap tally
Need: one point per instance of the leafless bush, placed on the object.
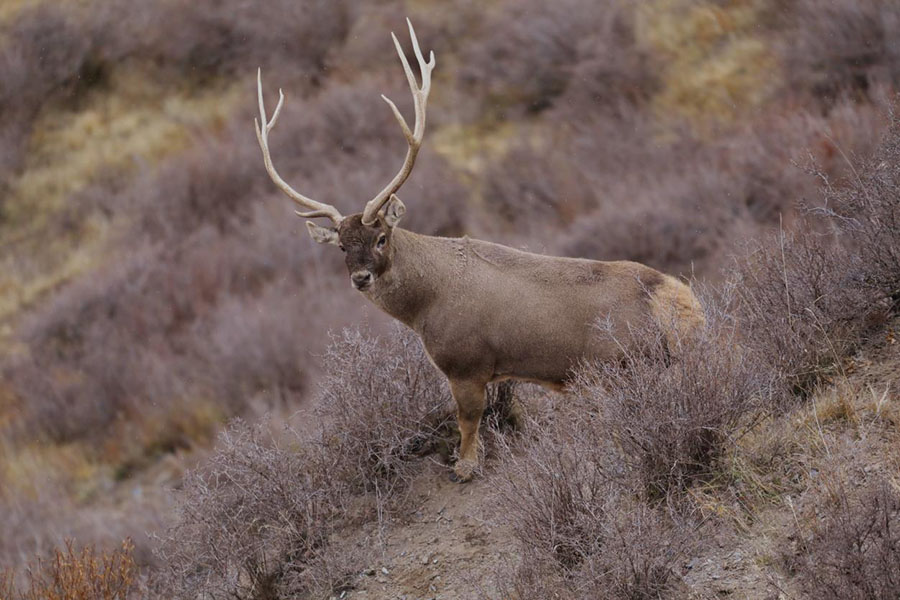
(256, 522)
(800, 305)
(845, 45)
(529, 189)
(384, 404)
(868, 211)
(260, 518)
(73, 574)
(227, 35)
(213, 185)
(806, 298)
(53, 50)
(532, 51)
(850, 547)
(675, 407)
(582, 531)
(161, 325)
(671, 227)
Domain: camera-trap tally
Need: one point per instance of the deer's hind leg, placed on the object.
(469, 397)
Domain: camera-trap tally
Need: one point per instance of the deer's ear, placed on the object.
(394, 211)
(322, 235)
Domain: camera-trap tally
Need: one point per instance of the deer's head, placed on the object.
(364, 237)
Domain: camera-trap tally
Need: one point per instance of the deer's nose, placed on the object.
(361, 279)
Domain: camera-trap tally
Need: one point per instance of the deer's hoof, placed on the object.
(462, 471)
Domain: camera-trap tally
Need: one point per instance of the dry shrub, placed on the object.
(51, 52)
(530, 190)
(531, 52)
(260, 519)
(256, 520)
(383, 404)
(226, 36)
(868, 211)
(850, 548)
(830, 47)
(583, 532)
(807, 298)
(679, 221)
(72, 574)
(800, 305)
(675, 407)
(161, 326)
(582, 495)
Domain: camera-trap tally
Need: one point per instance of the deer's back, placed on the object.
(529, 316)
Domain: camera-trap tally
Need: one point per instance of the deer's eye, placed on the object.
(382, 240)
(341, 246)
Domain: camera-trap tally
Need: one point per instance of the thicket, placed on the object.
(850, 547)
(671, 415)
(835, 48)
(807, 298)
(265, 514)
(582, 530)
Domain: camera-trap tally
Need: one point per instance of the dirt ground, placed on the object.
(449, 546)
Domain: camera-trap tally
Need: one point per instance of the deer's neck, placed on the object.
(420, 269)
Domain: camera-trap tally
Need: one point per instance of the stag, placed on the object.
(485, 312)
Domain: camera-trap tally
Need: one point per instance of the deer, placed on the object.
(485, 312)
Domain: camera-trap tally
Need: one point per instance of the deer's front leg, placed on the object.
(469, 397)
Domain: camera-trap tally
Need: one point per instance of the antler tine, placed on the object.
(318, 209)
(414, 136)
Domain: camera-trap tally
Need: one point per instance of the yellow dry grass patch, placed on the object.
(10, 9)
(36, 468)
(135, 121)
(140, 441)
(23, 279)
(470, 147)
(717, 66)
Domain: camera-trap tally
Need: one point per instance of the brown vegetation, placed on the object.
(73, 574)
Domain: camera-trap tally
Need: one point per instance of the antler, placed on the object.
(262, 134)
(414, 137)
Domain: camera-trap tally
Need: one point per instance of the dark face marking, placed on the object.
(367, 250)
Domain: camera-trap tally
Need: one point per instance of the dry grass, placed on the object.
(717, 63)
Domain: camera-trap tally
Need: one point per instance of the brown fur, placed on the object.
(487, 312)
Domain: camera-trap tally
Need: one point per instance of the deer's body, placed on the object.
(487, 312)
